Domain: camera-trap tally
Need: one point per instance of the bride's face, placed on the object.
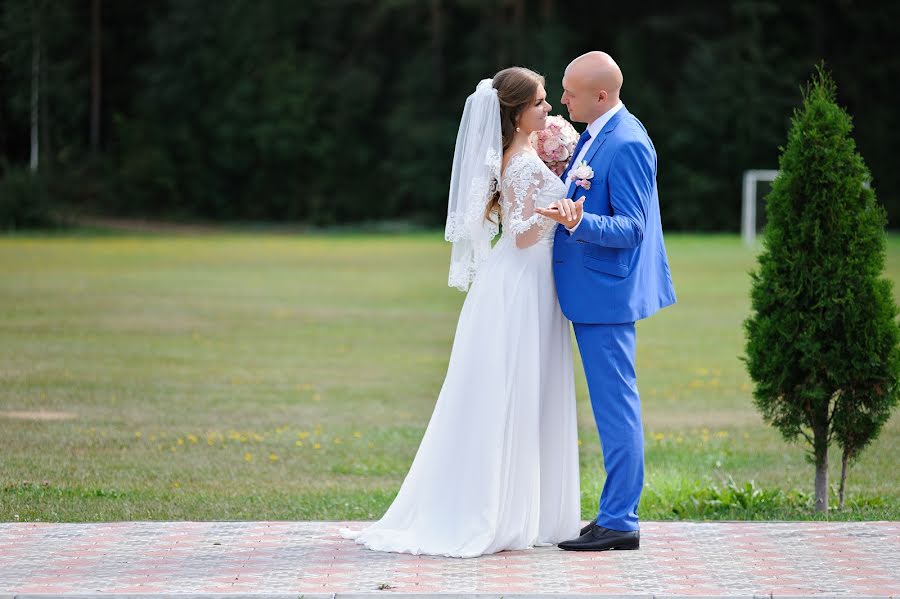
(534, 117)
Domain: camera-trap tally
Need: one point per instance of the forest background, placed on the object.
(345, 111)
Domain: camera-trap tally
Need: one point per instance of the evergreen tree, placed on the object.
(822, 340)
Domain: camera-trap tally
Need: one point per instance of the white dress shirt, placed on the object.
(595, 128)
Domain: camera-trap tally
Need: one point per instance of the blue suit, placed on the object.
(610, 272)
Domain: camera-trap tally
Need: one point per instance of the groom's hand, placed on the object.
(564, 211)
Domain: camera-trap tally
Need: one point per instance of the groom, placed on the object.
(611, 270)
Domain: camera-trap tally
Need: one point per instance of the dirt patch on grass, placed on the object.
(39, 416)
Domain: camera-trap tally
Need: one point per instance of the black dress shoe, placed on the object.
(603, 539)
(590, 526)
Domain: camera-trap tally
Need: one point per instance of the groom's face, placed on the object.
(583, 103)
(572, 99)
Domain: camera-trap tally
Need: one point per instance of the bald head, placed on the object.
(591, 85)
(598, 71)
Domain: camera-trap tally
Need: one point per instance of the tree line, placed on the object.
(335, 111)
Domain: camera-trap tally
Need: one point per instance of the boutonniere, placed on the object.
(582, 175)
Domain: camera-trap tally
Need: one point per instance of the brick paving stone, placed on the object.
(288, 559)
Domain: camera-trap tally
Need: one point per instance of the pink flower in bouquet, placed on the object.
(555, 143)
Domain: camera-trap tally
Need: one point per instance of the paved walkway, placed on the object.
(289, 559)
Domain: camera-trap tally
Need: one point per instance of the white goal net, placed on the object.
(751, 222)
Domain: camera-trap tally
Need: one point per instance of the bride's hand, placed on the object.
(565, 211)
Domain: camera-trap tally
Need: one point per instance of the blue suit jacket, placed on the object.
(613, 268)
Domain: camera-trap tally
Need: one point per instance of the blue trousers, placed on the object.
(607, 352)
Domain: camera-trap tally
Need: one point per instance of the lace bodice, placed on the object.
(526, 183)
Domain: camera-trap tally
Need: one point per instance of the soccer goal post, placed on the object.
(750, 201)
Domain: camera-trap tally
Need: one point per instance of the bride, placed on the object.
(497, 468)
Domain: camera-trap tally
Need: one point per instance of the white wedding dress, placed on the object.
(497, 468)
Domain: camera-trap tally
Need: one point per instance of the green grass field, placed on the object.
(260, 376)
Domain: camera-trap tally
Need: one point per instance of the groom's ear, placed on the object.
(603, 95)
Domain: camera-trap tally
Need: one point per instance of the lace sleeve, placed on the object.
(521, 189)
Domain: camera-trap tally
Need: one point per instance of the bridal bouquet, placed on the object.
(554, 144)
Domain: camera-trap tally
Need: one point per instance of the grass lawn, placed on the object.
(264, 376)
